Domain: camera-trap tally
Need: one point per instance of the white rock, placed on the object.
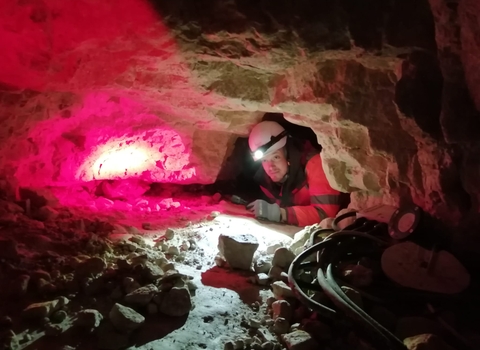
(262, 279)
(281, 290)
(272, 248)
(300, 340)
(238, 249)
(262, 265)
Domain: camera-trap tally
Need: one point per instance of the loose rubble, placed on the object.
(107, 281)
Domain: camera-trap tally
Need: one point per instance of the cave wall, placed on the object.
(390, 87)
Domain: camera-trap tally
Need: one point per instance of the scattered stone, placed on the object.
(238, 250)
(88, 319)
(281, 290)
(124, 318)
(282, 308)
(275, 273)
(426, 342)
(262, 279)
(220, 261)
(300, 340)
(139, 259)
(176, 302)
(141, 296)
(169, 234)
(270, 301)
(139, 240)
(53, 330)
(173, 250)
(58, 316)
(294, 327)
(40, 310)
(92, 266)
(254, 323)
(229, 346)
(283, 257)
(168, 267)
(192, 287)
(152, 272)
(262, 265)
(239, 345)
(268, 345)
(281, 326)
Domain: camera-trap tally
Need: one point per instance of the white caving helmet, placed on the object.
(265, 138)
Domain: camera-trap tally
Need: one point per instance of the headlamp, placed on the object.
(260, 151)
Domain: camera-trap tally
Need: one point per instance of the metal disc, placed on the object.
(404, 221)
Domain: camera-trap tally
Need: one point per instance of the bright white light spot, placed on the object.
(258, 155)
(117, 161)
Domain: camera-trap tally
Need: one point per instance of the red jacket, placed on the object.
(315, 200)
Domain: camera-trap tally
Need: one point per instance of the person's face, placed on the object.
(275, 165)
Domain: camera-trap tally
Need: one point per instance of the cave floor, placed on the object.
(223, 302)
(223, 299)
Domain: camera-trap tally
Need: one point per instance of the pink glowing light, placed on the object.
(118, 162)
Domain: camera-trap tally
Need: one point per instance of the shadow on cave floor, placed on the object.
(234, 280)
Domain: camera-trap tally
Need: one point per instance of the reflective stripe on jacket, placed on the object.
(313, 202)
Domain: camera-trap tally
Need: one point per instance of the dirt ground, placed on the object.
(223, 299)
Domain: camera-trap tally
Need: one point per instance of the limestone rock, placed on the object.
(283, 257)
(141, 296)
(281, 325)
(176, 302)
(88, 319)
(124, 318)
(40, 310)
(281, 290)
(282, 308)
(300, 340)
(262, 265)
(426, 342)
(92, 266)
(238, 249)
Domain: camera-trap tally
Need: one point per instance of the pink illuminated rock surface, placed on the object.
(124, 90)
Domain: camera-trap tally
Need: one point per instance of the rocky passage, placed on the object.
(130, 278)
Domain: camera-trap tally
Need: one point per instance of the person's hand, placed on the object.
(264, 210)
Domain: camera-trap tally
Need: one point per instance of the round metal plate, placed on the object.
(404, 221)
